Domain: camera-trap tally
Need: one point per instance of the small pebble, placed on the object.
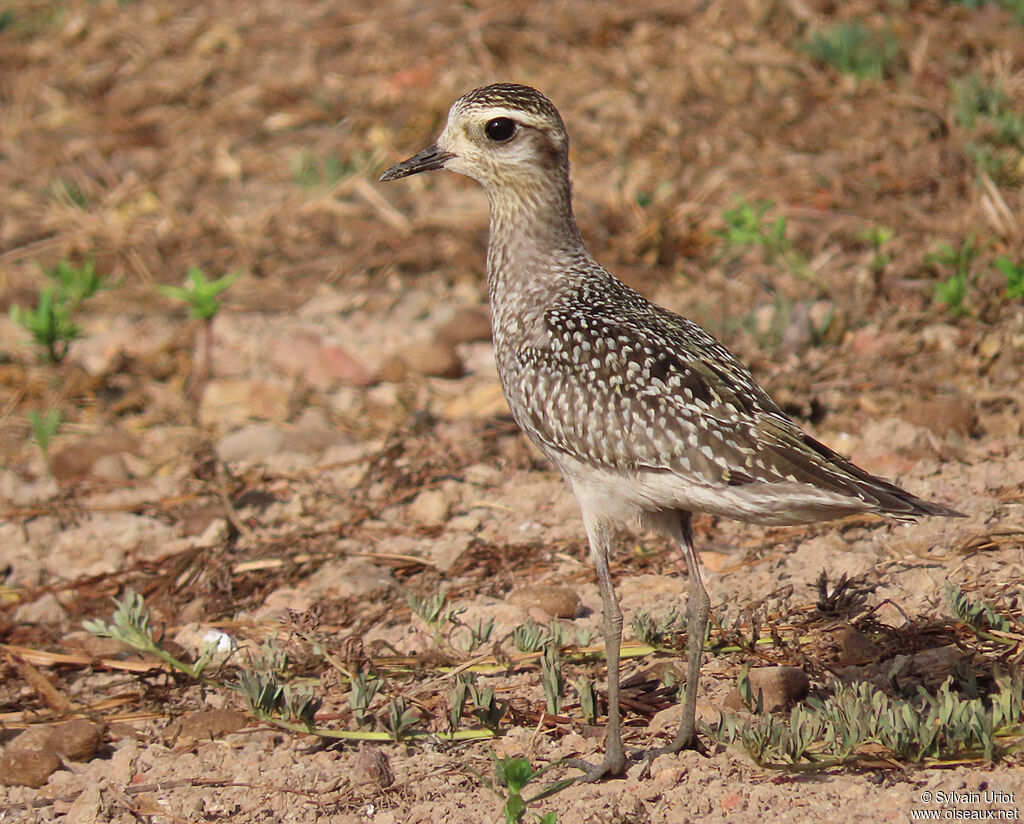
(372, 767)
(430, 508)
(557, 601)
(434, 360)
(77, 739)
(780, 686)
(466, 326)
(27, 768)
(206, 725)
(853, 647)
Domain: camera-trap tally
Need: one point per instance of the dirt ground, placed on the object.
(350, 445)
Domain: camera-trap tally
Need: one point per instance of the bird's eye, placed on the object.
(500, 129)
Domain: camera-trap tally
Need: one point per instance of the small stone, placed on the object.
(323, 366)
(434, 360)
(232, 402)
(78, 461)
(372, 767)
(36, 737)
(945, 414)
(86, 808)
(853, 647)
(351, 578)
(46, 610)
(780, 686)
(430, 508)
(27, 768)
(207, 725)
(932, 666)
(466, 326)
(111, 467)
(254, 442)
(78, 739)
(555, 600)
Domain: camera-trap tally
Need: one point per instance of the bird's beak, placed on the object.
(427, 160)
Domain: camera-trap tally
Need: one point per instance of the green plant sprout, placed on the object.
(832, 732)
(514, 774)
(486, 707)
(203, 299)
(853, 48)
(132, 626)
(879, 237)
(552, 679)
(201, 295)
(364, 688)
(457, 700)
(982, 619)
(588, 699)
(439, 621)
(51, 323)
(268, 698)
(745, 228)
(1014, 274)
(662, 633)
(530, 637)
(953, 291)
(997, 130)
(400, 718)
(45, 428)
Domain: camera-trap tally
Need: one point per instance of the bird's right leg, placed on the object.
(614, 756)
(698, 609)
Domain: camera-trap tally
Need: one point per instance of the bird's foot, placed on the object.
(611, 766)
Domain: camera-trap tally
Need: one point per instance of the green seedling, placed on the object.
(457, 700)
(439, 621)
(203, 299)
(514, 774)
(478, 635)
(45, 427)
(588, 699)
(399, 718)
(51, 323)
(530, 637)
(584, 636)
(855, 49)
(364, 688)
(559, 634)
(879, 237)
(552, 679)
(746, 228)
(132, 625)
(486, 708)
(201, 295)
(954, 289)
(662, 633)
(269, 700)
(934, 727)
(1014, 274)
(997, 130)
(982, 619)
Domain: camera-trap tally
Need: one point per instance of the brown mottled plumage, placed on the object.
(646, 415)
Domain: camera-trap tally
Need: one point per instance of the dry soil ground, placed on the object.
(350, 445)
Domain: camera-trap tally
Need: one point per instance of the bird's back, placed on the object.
(644, 405)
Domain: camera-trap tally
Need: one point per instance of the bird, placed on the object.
(647, 416)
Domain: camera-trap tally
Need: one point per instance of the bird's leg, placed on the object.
(698, 608)
(614, 757)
